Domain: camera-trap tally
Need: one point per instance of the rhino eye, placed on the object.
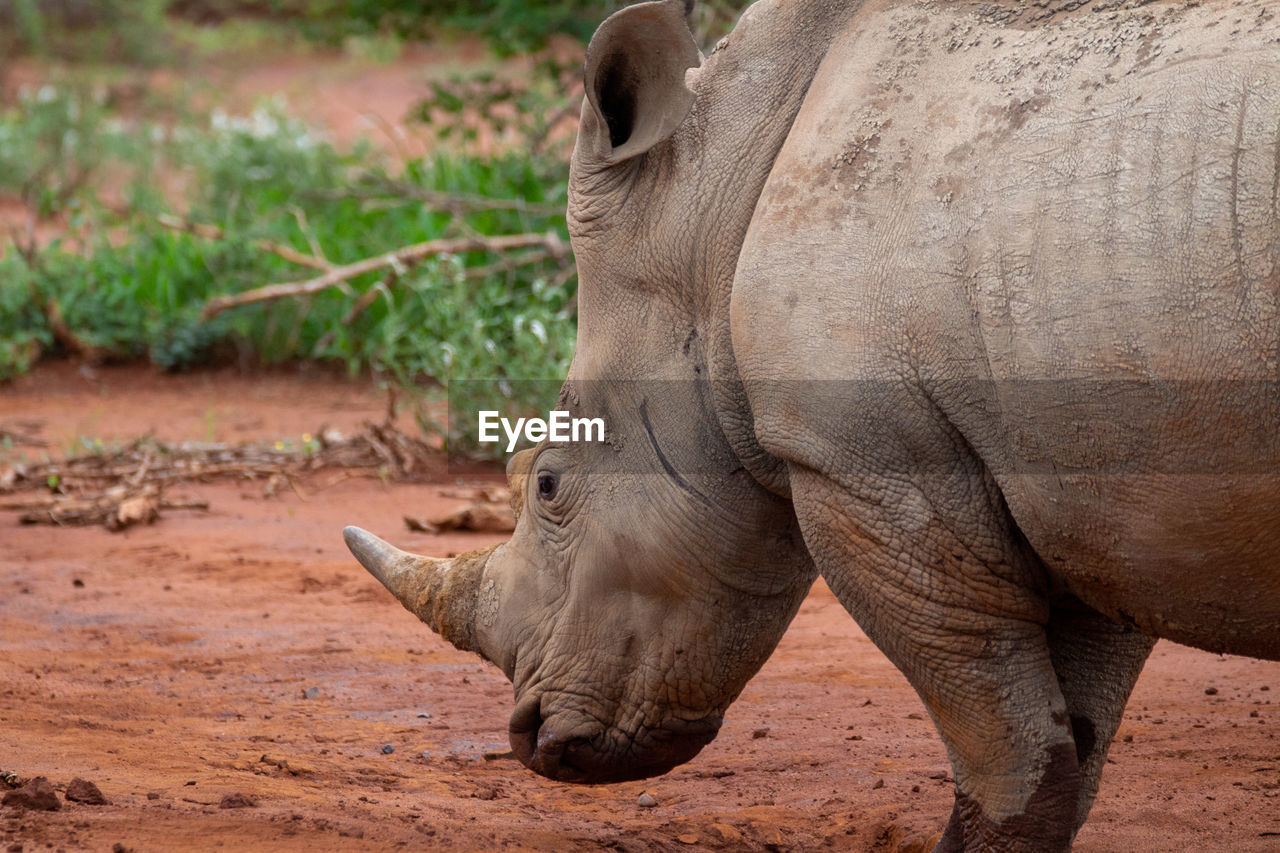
(547, 486)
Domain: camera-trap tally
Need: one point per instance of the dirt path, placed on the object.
(168, 665)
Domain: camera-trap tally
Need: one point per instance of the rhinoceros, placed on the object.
(969, 307)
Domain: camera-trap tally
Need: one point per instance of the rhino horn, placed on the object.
(442, 593)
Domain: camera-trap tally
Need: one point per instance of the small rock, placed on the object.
(1128, 738)
(387, 749)
(487, 792)
(153, 795)
(311, 693)
(728, 833)
(878, 785)
(37, 795)
(84, 791)
(238, 800)
(77, 583)
(423, 715)
(759, 733)
(1254, 713)
(722, 774)
(915, 789)
(1211, 691)
(120, 848)
(293, 769)
(687, 839)
(646, 801)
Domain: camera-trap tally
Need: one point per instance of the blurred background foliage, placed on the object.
(127, 211)
(136, 30)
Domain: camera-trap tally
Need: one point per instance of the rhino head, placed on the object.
(650, 575)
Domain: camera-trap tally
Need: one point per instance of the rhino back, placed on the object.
(1064, 228)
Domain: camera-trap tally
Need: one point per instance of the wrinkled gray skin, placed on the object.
(973, 309)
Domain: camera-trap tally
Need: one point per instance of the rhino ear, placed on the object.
(636, 96)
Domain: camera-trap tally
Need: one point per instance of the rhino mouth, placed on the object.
(582, 750)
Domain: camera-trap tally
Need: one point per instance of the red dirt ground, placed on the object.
(174, 675)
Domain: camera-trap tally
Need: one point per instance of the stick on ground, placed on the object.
(395, 260)
(213, 232)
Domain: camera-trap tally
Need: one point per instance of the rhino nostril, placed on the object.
(548, 755)
(546, 751)
(523, 729)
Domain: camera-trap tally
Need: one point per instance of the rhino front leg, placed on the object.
(937, 577)
(1097, 661)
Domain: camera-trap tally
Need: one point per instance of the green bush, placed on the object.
(513, 26)
(262, 180)
(24, 333)
(137, 31)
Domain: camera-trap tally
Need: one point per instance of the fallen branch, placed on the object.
(116, 508)
(480, 519)
(395, 260)
(70, 341)
(126, 486)
(213, 232)
(380, 449)
(508, 265)
(490, 512)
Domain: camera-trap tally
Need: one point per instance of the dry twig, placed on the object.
(395, 260)
(127, 486)
(508, 264)
(213, 232)
(116, 508)
(70, 340)
(480, 518)
(490, 512)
